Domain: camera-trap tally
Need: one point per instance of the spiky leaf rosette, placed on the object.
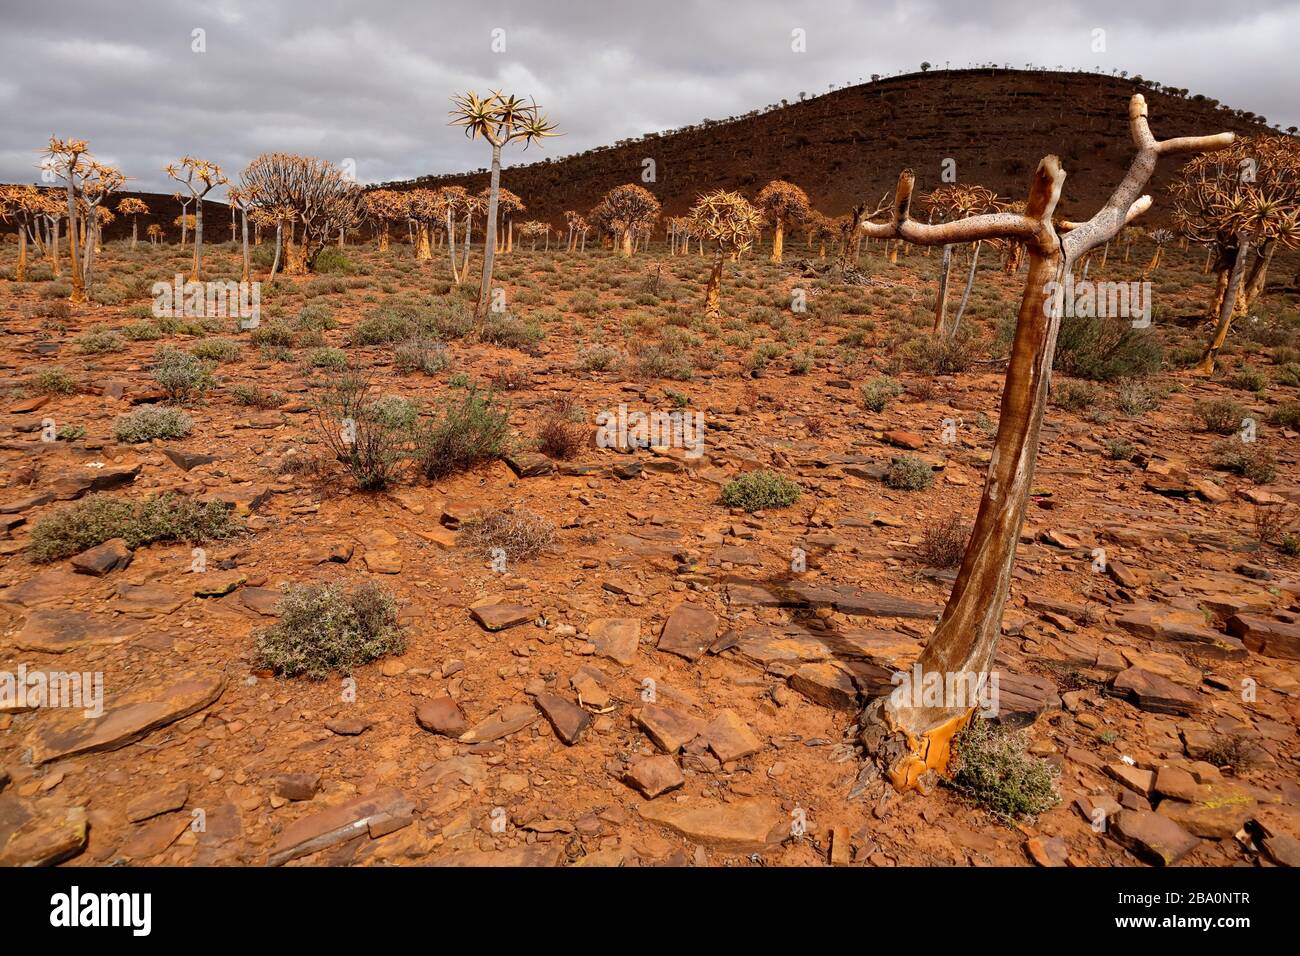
(1252, 186)
(727, 219)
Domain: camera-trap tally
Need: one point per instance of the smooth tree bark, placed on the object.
(911, 738)
(1227, 307)
(490, 238)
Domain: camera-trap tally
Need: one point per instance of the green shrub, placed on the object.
(1287, 416)
(182, 376)
(598, 358)
(909, 473)
(1136, 398)
(327, 358)
(274, 334)
(149, 422)
(1219, 415)
(1105, 350)
(509, 332)
(217, 350)
(1119, 450)
(991, 767)
(100, 340)
(369, 438)
(1075, 396)
(99, 518)
(323, 628)
(471, 429)
(143, 331)
(256, 396)
(54, 381)
(1248, 379)
(421, 355)
(757, 490)
(1248, 459)
(936, 354)
(879, 392)
(332, 261)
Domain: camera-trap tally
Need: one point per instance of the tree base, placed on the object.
(911, 747)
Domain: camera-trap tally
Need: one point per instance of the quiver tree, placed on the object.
(306, 192)
(423, 209)
(534, 230)
(103, 217)
(910, 737)
(199, 177)
(452, 200)
(24, 206)
(240, 202)
(578, 229)
(729, 222)
(184, 220)
(628, 209)
(949, 203)
(154, 232)
(86, 184)
(1240, 200)
(382, 207)
(1160, 238)
(135, 208)
(509, 205)
(501, 120)
(782, 204)
(820, 230)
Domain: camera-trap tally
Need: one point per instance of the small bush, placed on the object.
(54, 381)
(519, 533)
(879, 392)
(183, 376)
(1136, 398)
(273, 334)
(560, 436)
(421, 355)
(149, 422)
(1248, 379)
(936, 354)
(757, 490)
(991, 767)
(325, 628)
(1287, 416)
(217, 350)
(99, 518)
(1219, 415)
(909, 473)
(369, 438)
(1248, 459)
(471, 430)
(327, 358)
(943, 542)
(1119, 450)
(509, 332)
(257, 397)
(332, 261)
(1076, 396)
(99, 341)
(1105, 350)
(143, 331)
(598, 358)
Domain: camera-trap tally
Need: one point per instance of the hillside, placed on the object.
(849, 145)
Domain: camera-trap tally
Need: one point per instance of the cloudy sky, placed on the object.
(369, 80)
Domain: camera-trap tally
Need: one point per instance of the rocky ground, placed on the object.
(659, 687)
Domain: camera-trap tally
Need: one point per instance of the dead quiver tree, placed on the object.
(304, 191)
(1239, 200)
(909, 734)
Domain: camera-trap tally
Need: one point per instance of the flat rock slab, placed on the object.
(616, 638)
(530, 856)
(1155, 694)
(56, 631)
(689, 631)
(508, 720)
(123, 723)
(1022, 698)
(498, 617)
(148, 600)
(29, 838)
(1152, 837)
(155, 837)
(112, 555)
(377, 814)
(530, 464)
(441, 715)
(158, 802)
(568, 720)
(55, 584)
(1171, 624)
(668, 728)
(730, 738)
(752, 825)
(1216, 811)
(1267, 636)
(826, 684)
(654, 776)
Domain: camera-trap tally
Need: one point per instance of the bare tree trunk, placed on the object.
(941, 299)
(713, 293)
(247, 274)
(451, 246)
(74, 259)
(1258, 276)
(1226, 308)
(489, 243)
(778, 240)
(965, 296)
(279, 244)
(135, 231)
(198, 241)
